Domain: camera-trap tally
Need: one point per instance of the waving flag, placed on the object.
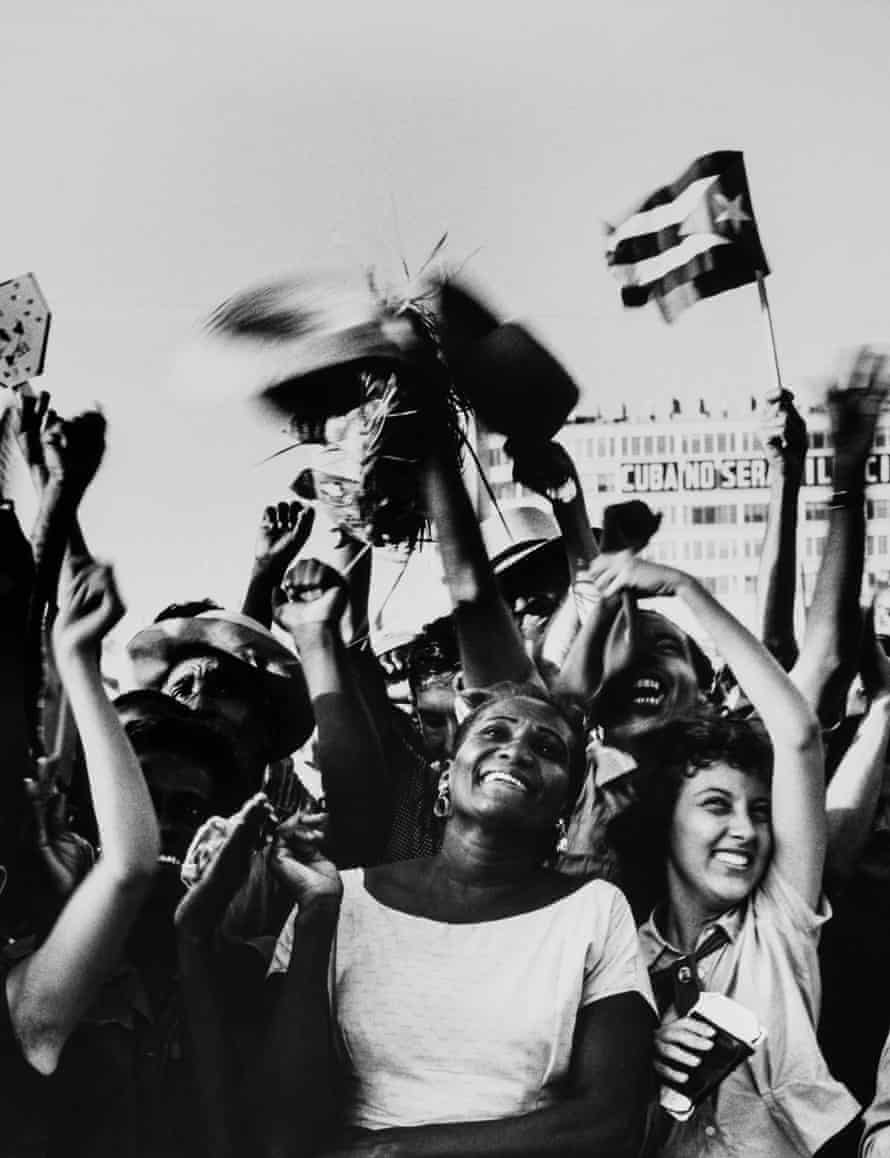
(689, 240)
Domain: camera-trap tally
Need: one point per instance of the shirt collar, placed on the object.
(659, 951)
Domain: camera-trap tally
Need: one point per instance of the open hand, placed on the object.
(854, 403)
(89, 607)
(219, 867)
(311, 594)
(283, 532)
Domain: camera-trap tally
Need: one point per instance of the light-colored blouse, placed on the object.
(444, 1022)
(782, 1101)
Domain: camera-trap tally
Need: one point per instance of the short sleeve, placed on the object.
(614, 963)
(779, 902)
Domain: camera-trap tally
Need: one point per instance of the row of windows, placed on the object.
(672, 550)
(726, 442)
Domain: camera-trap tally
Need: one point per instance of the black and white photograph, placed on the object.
(445, 580)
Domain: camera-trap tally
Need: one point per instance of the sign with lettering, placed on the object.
(730, 474)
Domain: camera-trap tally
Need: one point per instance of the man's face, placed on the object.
(434, 701)
(649, 677)
(181, 789)
(226, 693)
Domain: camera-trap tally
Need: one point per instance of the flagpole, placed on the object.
(767, 313)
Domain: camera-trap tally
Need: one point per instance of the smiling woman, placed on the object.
(731, 827)
(480, 1002)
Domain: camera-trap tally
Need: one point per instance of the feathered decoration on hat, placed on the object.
(366, 379)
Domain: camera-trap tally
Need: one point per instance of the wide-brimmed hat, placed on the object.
(517, 533)
(153, 651)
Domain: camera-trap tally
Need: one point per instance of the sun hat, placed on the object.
(156, 649)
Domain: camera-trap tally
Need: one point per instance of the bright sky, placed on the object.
(159, 157)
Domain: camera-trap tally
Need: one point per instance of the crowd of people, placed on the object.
(290, 897)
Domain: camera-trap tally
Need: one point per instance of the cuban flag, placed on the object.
(688, 240)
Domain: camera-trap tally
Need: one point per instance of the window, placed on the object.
(721, 444)
(635, 445)
(882, 544)
(877, 508)
(661, 444)
(684, 444)
(746, 442)
(817, 439)
(697, 549)
(624, 444)
(755, 512)
(695, 444)
(604, 484)
(750, 584)
(731, 437)
(710, 549)
(647, 444)
(709, 444)
(601, 447)
(816, 512)
(880, 438)
(721, 515)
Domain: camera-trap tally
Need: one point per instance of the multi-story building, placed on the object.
(707, 476)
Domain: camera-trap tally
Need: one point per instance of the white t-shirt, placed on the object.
(443, 1022)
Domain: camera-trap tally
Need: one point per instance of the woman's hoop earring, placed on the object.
(442, 805)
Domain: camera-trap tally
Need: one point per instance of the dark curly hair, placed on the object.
(640, 835)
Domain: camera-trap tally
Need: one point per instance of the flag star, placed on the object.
(730, 210)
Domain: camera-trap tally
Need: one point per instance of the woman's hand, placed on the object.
(283, 532)
(225, 869)
(89, 607)
(299, 862)
(680, 1046)
(614, 574)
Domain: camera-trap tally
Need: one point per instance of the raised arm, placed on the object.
(798, 789)
(16, 581)
(310, 606)
(283, 532)
(783, 435)
(548, 469)
(217, 1066)
(491, 647)
(298, 1090)
(49, 991)
(831, 642)
(855, 788)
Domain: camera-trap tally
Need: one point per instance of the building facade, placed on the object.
(708, 478)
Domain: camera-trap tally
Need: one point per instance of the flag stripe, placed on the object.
(644, 273)
(704, 276)
(663, 214)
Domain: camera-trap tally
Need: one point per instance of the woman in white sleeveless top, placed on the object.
(474, 1002)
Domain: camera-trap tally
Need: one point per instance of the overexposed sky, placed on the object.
(159, 157)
